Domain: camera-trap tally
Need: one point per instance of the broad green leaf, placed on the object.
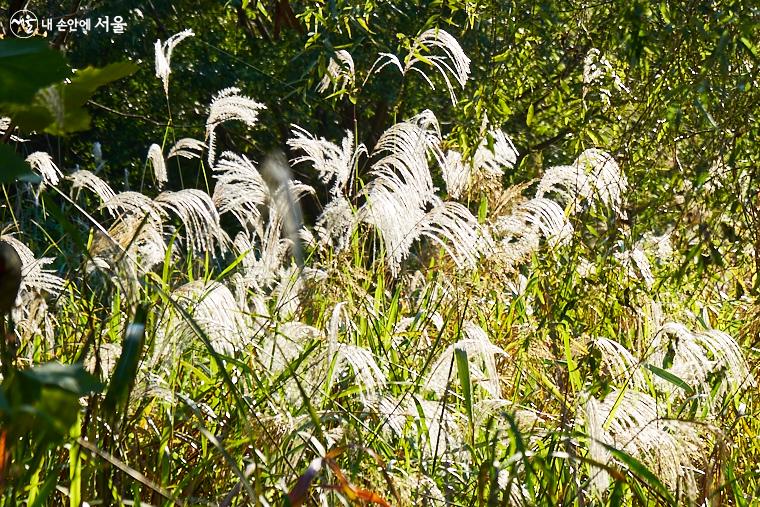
(27, 66)
(673, 379)
(71, 97)
(463, 371)
(529, 117)
(125, 371)
(643, 473)
(72, 378)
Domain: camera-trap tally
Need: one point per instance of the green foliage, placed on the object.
(671, 89)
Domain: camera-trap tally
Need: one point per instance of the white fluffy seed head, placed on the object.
(85, 179)
(163, 53)
(156, 159)
(227, 105)
(43, 164)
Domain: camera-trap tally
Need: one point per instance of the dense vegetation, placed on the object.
(452, 252)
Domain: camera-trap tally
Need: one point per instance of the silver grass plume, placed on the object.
(594, 174)
(31, 313)
(636, 265)
(340, 72)
(261, 262)
(455, 173)
(335, 224)
(198, 214)
(34, 276)
(444, 425)
(452, 62)
(624, 367)
(519, 235)
(240, 189)
(697, 356)
(490, 161)
(633, 422)
(130, 238)
(481, 355)
(5, 124)
(292, 282)
(214, 309)
(338, 359)
(187, 147)
(487, 164)
(284, 344)
(367, 373)
(229, 104)
(86, 179)
(286, 194)
(333, 163)
(43, 164)
(401, 194)
(132, 203)
(163, 52)
(156, 158)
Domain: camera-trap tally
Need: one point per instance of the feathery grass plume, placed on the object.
(292, 282)
(452, 226)
(366, 372)
(85, 179)
(481, 354)
(198, 214)
(131, 237)
(491, 158)
(35, 278)
(594, 174)
(214, 309)
(187, 147)
(261, 264)
(5, 124)
(638, 259)
(43, 164)
(456, 174)
(284, 345)
(598, 438)
(156, 158)
(240, 190)
(401, 193)
(443, 425)
(286, 196)
(229, 104)
(623, 366)
(452, 62)
(527, 419)
(164, 56)
(339, 318)
(668, 447)
(333, 163)
(531, 220)
(335, 224)
(340, 72)
(31, 314)
(416, 488)
(660, 246)
(699, 358)
(103, 359)
(132, 203)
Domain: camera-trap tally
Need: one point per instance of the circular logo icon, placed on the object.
(23, 24)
